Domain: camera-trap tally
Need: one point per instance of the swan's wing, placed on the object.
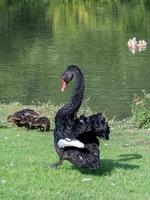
(95, 124)
(67, 142)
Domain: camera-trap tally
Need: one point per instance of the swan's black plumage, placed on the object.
(85, 129)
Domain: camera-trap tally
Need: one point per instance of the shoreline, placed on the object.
(49, 110)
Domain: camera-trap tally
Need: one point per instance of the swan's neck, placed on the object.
(77, 95)
(68, 111)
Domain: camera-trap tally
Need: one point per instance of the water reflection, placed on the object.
(40, 38)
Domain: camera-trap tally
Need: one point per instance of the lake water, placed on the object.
(39, 39)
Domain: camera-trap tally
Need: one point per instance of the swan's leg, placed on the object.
(62, 143)
(54, 165)
(58, 163)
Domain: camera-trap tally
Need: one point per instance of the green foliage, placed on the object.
(141, 110)
(85, 109)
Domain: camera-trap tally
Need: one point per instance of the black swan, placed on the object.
(76, 139)
(30, 119)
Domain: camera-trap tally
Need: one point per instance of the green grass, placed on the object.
(24, 172)
(25, 157)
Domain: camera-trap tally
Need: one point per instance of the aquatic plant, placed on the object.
(140, 110)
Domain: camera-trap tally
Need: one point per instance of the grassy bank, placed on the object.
(49, 110)
(25, 156)
(24, 172)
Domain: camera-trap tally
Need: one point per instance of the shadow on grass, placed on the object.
(108, 165)
(126, 157)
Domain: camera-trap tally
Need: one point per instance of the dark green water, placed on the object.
(40, 38)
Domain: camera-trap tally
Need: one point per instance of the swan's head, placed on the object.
(66, 77)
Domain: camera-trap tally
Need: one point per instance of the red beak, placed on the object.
(63, 85)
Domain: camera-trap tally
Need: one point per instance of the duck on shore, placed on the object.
(29, 119)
